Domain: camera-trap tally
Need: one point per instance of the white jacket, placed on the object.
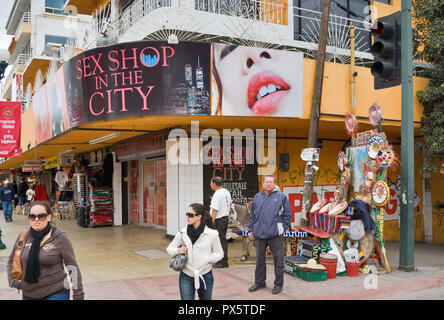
(201, 256)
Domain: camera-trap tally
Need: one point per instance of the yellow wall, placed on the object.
(28, 132)
(337, 84)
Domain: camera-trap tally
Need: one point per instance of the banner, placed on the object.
(250, 81)
(10, 129)
(135, 79)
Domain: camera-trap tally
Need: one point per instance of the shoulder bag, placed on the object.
(179, 261)
(17, 268)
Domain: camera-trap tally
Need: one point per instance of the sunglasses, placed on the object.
(191, 214)
(41, 216)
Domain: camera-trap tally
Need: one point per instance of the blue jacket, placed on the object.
(7, 193)
(270, 215)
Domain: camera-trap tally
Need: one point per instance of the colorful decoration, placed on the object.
(374, 144)
(341, 161)
(339, 193)
(375, 115)
(327, 207)
(351, 124)
(318, 205)
(380, 193)
(385, 156)
(345, 178)
(337, 209)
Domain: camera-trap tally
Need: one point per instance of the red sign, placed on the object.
(10, 129)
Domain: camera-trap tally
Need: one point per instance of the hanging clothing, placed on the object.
(40, 193)
(61, 178)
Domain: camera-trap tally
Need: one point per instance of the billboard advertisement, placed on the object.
(249, 81)
(145, 78)
(138, 79)
(10, 128)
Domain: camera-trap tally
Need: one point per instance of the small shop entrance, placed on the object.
(148, 192)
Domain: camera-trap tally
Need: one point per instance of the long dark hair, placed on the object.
(199, 209)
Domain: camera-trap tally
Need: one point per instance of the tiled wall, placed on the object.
(184, 186)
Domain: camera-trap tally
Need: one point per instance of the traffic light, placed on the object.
(386, 49)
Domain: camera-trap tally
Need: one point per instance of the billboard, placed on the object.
(249, 81)
(10, 128)
(138, 79)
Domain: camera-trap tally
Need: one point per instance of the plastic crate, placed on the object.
(291, 264)
(311, 276)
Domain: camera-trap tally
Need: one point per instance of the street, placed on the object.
(130, 263)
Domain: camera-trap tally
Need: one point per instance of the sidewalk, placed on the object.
(129, 263)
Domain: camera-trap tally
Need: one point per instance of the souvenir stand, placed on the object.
(348, 231)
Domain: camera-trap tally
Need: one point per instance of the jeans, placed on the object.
(7, 209)
(22, 201)
(188, 291)
(61, 295)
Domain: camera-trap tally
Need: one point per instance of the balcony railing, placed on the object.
(26, 18)
(271, 11)
(22, 59)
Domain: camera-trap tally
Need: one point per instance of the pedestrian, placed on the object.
(202, 245)
(15, 187)
(30, 194)
(46, 253)
(21, 193)
(7, 196)
(220, 208)
(270, 216)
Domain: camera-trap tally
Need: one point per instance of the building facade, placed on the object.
(150, 187)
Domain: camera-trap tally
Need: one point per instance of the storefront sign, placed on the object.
(53, 162)
(10, 129)
(239, 177)
(149, 146)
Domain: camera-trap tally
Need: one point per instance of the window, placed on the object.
(305, 27)
(383, 1)
(55, 39)
(55, 6)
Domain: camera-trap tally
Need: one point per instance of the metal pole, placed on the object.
(352, 68)
(315, 108)
(407, 231)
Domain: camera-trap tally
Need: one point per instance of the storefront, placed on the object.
(143, 165)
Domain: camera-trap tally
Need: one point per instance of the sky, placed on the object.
(5, 39)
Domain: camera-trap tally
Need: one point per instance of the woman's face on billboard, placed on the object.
(257, 81)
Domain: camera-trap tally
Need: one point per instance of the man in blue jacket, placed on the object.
(7, 195)
(270, 216)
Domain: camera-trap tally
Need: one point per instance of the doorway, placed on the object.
(154, 192)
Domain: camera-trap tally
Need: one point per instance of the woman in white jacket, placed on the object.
(203, 248)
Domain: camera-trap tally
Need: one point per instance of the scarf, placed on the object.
(195, 233)
(33, 266)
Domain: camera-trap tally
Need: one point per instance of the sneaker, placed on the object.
(276, 290)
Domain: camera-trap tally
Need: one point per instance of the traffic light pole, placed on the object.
(315, 109)
(407, 231)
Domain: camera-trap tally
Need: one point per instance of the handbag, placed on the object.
(179, 261)
(17, 268)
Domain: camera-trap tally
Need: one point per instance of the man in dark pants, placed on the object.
(219, 209)
(270, 216)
